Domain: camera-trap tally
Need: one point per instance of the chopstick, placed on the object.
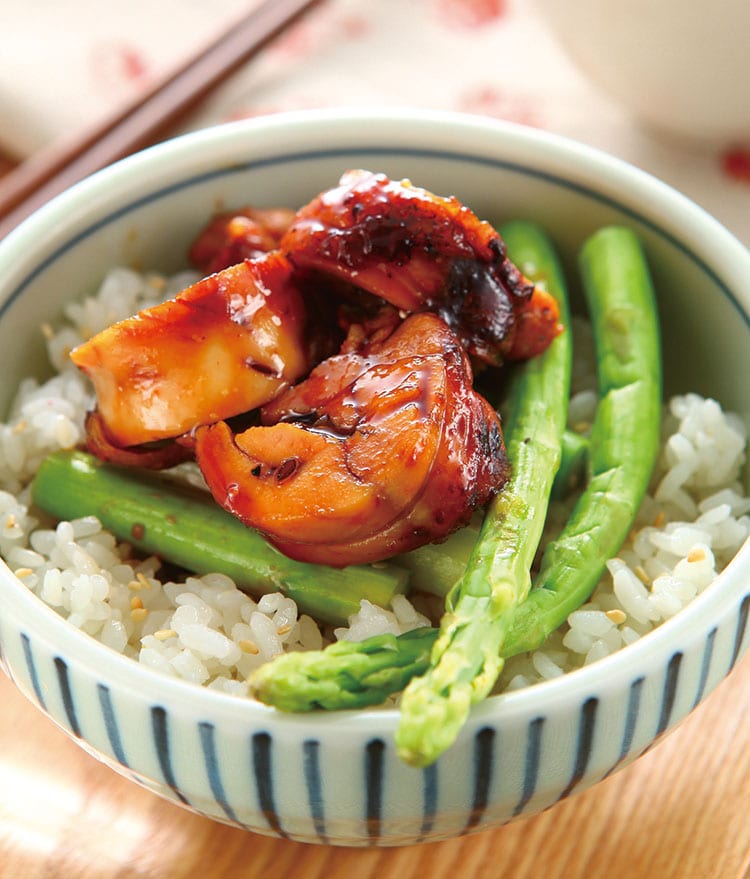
(147, 118)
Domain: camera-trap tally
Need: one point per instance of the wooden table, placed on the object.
(682, 811)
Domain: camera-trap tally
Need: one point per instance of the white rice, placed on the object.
(207, 631)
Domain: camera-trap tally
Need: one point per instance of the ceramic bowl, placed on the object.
(335, 778)
(682, 69)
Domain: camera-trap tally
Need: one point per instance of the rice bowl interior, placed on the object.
(207, 631)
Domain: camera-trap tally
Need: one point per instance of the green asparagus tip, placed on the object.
(347, 674)
(434, 722)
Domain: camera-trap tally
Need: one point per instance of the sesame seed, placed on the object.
(143, 580)
(659, 519)
(616, 615)
(138, 614)
(249, 647)
(23, 572)
(642, 575)
(164, 634)
(282, 630)
(136, 602)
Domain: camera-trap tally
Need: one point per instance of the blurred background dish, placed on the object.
(681, 68)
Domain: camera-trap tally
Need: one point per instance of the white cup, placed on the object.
(682, 67)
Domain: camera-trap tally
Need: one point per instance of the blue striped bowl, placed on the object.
(335, 778)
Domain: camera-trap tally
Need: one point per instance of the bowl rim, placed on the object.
(449, 128)
(362, 128)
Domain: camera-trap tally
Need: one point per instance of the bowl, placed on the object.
(335, 777)
(644, 56)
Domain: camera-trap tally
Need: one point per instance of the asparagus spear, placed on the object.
(347, 674)
(465, 659)
(186, 527)
(573, 462)
(624, 440)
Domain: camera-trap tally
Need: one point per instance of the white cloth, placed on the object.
(67, 64)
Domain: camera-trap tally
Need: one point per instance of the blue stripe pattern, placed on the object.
(31, 668)
(584, 743)
(430, 800)
(708, 652)
(261, 745)
(160, 732)
(207, 736)
(531, 763)
(110, 723)
(740, 631)
(374, 752)
(63, 680)
(483, 769)
(314, 783)
(670, 692)
(631, 718)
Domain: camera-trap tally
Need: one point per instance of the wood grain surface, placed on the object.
(680, 812)
(7, 163)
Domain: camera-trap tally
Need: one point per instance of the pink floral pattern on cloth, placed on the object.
(489, 100)
(119, 67)
(471, 13)
(490, 57)
(736, 164)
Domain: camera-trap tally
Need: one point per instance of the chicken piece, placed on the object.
(148, 456)
(223, 346)
(384, 447)
(420, 252)
(536, 326)
(233, 236)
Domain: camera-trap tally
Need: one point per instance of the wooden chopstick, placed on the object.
(145, 120)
